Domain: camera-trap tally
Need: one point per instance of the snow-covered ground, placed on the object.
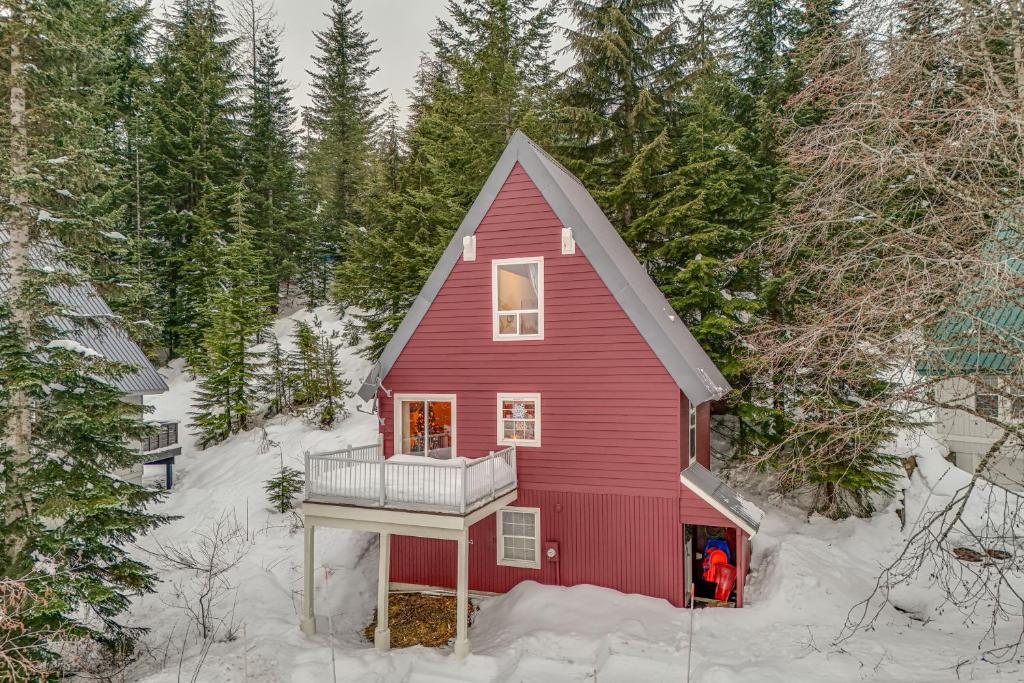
(806, 576)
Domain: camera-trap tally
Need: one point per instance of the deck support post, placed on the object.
(462, 598)
(308, 623)
(382, 634)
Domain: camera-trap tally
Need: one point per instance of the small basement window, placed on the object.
(518, 534)
(518, 298)
(986, 396)
(519, 419)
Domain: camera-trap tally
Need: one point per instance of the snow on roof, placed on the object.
(641, 300)
(719, 495)
(90, 323)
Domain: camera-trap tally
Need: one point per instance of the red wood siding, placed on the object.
(629, 543)
(704, 434)
(609, 410)
(606, 476)
(695, 510)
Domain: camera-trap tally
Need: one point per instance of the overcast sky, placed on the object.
(400, 28)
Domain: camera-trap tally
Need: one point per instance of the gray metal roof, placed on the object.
(97, 327)
(720, 496)
(629, 283)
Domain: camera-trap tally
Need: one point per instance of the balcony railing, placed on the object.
(165, 437)
(362, 476)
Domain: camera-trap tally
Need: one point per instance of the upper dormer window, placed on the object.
(518, 296)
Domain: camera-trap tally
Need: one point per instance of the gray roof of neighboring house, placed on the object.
(101, 333)
(720, 496)
(629, 283)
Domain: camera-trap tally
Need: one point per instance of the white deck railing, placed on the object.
(362, 476)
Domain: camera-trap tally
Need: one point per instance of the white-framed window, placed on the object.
(519, 419)
(517, 288)
(986, 396)
(692, 433)
(425, 425)
(519, 537)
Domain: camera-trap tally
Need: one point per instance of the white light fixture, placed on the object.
(568, 241)
(469, 248)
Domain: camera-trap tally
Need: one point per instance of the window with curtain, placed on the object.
(518, 299)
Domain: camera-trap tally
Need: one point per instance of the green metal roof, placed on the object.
(984, 334)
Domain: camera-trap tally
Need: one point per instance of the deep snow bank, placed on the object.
(806, 577)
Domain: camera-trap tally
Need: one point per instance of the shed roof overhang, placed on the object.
(641, 300)
(719, 495)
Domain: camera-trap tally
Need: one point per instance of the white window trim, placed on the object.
(533, 443)
(397, 400)
(989, 390)
(524, 564)
(539, 260)
(691, 433)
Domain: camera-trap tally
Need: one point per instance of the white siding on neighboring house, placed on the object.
(969, 437)
(135, 473)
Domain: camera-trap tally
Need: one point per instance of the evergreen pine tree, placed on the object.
(237, 311)
(617, 102)
(341, 124)
(283, 487)
(764, 36)
(108, 84)
(64, 427)
(694, 234)
(277, 381)
(489, 75)
(190, 163)
(318, 386)
(270, 154)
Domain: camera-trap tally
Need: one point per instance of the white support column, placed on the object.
(308, 623)
(382, 634)
(462, 598)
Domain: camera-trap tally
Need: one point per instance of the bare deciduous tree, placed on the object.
(899, 269)
(20, 645)
(206, 594)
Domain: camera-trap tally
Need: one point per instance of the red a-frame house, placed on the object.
(542, 406)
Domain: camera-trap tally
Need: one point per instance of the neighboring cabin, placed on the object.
(976, 361)
(543, 407)
(91, 323)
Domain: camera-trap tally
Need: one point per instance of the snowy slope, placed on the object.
(806, 577)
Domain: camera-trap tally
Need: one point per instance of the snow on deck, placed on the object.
(409, 481)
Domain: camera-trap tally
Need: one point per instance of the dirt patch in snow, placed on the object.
(419, 619)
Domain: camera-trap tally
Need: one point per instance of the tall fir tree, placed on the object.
(270, 150)
(190, 162)
(132, 289)
(617, 102)
(341, 124)
(109, 85)
(490, 74)
(65, 519)
(693, 236)
(764, 35)
(237, 311)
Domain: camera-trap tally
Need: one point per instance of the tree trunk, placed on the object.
(18, 435)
